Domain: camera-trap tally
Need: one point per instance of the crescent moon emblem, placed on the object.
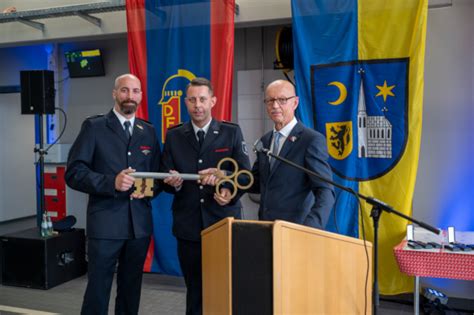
(342, 92)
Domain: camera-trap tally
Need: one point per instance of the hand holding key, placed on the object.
(211, 176)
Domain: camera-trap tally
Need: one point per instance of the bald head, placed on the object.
(126, 76)
(281, 102)
(282, 84)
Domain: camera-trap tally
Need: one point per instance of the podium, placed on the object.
(257, 267)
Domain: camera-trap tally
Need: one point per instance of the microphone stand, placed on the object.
(41, 206)
(377, 208)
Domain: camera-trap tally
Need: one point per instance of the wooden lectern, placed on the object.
(256, 267)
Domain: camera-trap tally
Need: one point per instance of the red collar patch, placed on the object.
(221, 150)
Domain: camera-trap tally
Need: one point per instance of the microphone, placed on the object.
(258, 148)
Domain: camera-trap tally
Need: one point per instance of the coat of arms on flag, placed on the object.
(172, 98)
(362, 106)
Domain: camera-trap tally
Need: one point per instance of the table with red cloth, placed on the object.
(433, 263)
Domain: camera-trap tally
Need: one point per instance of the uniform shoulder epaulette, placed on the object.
(175, 126)
(95, 116)
(230, 123)
(144, 120)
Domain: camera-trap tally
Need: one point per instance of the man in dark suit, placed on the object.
(286, 192)
(119, 223)
(197, 146)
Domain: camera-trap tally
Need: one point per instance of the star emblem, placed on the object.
(385, 90)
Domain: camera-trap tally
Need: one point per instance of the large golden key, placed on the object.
(144, 180)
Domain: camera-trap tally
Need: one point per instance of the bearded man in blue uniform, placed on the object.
(119, 224)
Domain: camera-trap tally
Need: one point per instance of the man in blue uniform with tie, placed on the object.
(196, 147)
(119, 224)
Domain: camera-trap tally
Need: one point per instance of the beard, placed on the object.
(128, 107)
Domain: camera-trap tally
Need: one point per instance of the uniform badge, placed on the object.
(140, 126)
(244, 148)
(145, 149)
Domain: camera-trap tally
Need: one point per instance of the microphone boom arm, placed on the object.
(377, 208)
(370, 200)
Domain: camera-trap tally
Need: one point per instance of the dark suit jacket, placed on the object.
(288, 193)
(194, 207)
(99, 153)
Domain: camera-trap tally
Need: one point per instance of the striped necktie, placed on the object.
(276, 146)
(127, 125)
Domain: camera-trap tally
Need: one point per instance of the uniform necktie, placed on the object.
(276, 146)
(200, 135)
(127, 125)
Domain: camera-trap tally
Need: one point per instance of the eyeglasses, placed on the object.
(194, 100)
(280, 100)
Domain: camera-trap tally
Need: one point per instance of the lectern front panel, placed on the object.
(252, 269)
(257, 267)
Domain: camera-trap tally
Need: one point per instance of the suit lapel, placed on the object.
(114, 124)
(211, 135)
(138, 131)
(190, 135)
(266, 141)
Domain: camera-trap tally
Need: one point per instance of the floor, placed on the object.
(161, 294)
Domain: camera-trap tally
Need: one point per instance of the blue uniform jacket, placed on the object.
(194, 207)
(99, 153)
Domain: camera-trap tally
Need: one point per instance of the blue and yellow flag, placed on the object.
(359, 74)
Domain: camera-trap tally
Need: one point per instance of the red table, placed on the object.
(433, 263)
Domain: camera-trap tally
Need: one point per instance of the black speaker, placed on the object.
(29, 260)
(37, 92)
